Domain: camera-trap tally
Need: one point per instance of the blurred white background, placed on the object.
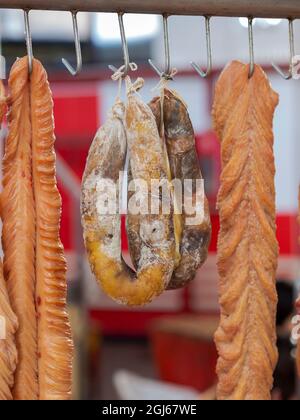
(187, 36)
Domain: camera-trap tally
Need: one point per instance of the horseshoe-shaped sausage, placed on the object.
(102, 232)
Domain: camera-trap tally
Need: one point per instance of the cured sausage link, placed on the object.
(18, 236)
(102, 232)
(54, 332)
(247, 249)
(8, 320)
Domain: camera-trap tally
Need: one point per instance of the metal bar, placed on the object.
(255, 8)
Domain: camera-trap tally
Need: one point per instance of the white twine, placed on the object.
(132, 88)
(165, 80)
(120, 73)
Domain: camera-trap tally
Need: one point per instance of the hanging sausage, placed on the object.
(247, 250)
(178, 134)
(298, 309)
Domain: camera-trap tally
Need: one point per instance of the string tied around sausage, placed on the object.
(164, 81)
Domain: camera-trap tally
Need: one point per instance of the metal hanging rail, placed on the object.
(247, 8)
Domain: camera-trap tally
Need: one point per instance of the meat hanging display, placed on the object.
(102, 232)
(34, 263)
(8, 320)
(247, 250)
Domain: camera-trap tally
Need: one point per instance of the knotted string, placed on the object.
(118, 76)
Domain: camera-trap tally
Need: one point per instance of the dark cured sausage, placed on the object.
(102, 232)
(192, 239)
(18, 234)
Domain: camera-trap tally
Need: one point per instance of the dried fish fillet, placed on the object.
(54, 332)
(8, 350)
(102, 231)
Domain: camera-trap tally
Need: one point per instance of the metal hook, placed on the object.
(251, 47)
(166, 74)
(206, 73)
(127, 68)
(28, 38)
(78, 69)
(292, 54)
